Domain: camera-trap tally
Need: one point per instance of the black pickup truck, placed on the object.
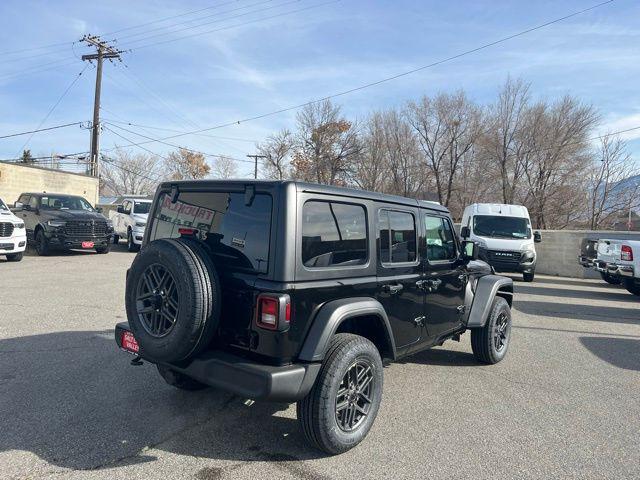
(297, 292)
(62, 222)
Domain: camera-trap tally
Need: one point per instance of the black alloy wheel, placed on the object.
(502, 332)
(157, 302)
(353, 400)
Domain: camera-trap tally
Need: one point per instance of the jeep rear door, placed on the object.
(445, 275)
(399, 273)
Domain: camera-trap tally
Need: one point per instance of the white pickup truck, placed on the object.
(627, 268)
(130, 220)
(608, 253)
(13, 236)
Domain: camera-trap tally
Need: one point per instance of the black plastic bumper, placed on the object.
(244, 377)
(63, 241)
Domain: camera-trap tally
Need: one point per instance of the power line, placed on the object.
(41, 130)
(64, 94)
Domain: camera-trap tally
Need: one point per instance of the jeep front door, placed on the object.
(445, 277)
(399, 273)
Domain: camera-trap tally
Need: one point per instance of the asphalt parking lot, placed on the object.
(565, 403)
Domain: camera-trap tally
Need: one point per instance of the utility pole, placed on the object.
(103, 50)
(255, 158)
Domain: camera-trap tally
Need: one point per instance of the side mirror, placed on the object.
(465, 232)
(26, 208)
(537, 238)
(99, 209)
(470, 251)
(120, 209)
(18, 205)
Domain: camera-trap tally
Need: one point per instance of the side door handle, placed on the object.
(392, 288)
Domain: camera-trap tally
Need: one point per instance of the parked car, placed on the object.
(13, 239)
(63, 222)
(504, 235)
(588, 252)
(627, 269)
(296, 292)
(608, 253)
(129, 221)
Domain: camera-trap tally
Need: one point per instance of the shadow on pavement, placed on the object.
(73, 399)
(587, 282)
(618, 294)
(579, 312)
(443, 357)
(619, 352)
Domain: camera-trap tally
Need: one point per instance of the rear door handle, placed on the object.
(392, 289)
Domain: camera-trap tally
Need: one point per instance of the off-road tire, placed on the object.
(41, 245)
(632, 287)
(131, 245)
(198, 293)
(610, 279)
(528, 276)
(180, 380)
(483, 341)
(102, 250)
(317, 411)
(14, 257)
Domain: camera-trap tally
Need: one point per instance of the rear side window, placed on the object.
(237, 234)
(333, 234)
(441, 244)
(397, 236)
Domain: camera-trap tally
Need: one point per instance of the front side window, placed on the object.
(237, 234)
(3, 206)
(63, 202)
(441, 243)
(397, 236)
(501, 227)
(333, 234)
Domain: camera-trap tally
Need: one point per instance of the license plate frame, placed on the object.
(129, 343)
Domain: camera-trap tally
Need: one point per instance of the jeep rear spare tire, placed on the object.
(172, 300)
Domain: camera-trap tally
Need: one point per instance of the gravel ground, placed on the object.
(565, 403)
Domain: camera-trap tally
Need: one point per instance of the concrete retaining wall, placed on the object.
(16, 179)
(559, 249)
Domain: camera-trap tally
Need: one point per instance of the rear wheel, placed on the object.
(14, 257)
(341, 407)
(528, 276)
(610, 279)
(491, 342)
(632, 287)
(180, 380)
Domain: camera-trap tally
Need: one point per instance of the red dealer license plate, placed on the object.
(87, 244)
(129, 342)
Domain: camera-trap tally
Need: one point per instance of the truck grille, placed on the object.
(6, 229)
(87, 228)
(503, 257)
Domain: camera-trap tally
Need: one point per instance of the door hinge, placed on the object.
(419, 321)
(461, 308)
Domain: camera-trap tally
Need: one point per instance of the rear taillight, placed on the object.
(626, 253)
(273, 312)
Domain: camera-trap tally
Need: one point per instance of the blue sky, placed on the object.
(253, 65)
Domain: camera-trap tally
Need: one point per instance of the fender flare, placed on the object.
(486, 289)
(331, 315)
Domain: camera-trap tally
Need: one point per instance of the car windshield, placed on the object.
(501, 227)
(63, 202)
(141, 207)
(3, 206)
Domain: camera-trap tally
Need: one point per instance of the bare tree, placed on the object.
(125, 173)
(326, 144)
(187, 165)
(277, 151)
(609, 195)
(369, 169)
(225, 168)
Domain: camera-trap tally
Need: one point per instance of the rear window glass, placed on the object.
(333, 234)
(237, 234)
(397, 236)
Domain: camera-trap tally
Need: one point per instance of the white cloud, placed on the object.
(624, 123)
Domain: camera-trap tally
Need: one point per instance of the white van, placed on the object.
(504, 235)
(13, 236)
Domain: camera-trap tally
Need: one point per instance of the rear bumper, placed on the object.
(244, 377)
(624, 271)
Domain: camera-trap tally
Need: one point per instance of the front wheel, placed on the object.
(116, 239)
(103, 250)
(341, 407)
(528, 276)
(42, 245)
(14, 257)
(491, 342)
(131, 245)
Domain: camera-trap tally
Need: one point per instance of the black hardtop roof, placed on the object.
(315, 188)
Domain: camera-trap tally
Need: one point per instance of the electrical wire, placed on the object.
(41, 130)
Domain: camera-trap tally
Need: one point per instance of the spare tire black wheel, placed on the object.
(172, 299)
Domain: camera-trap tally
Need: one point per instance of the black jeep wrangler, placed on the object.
(291, 291)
